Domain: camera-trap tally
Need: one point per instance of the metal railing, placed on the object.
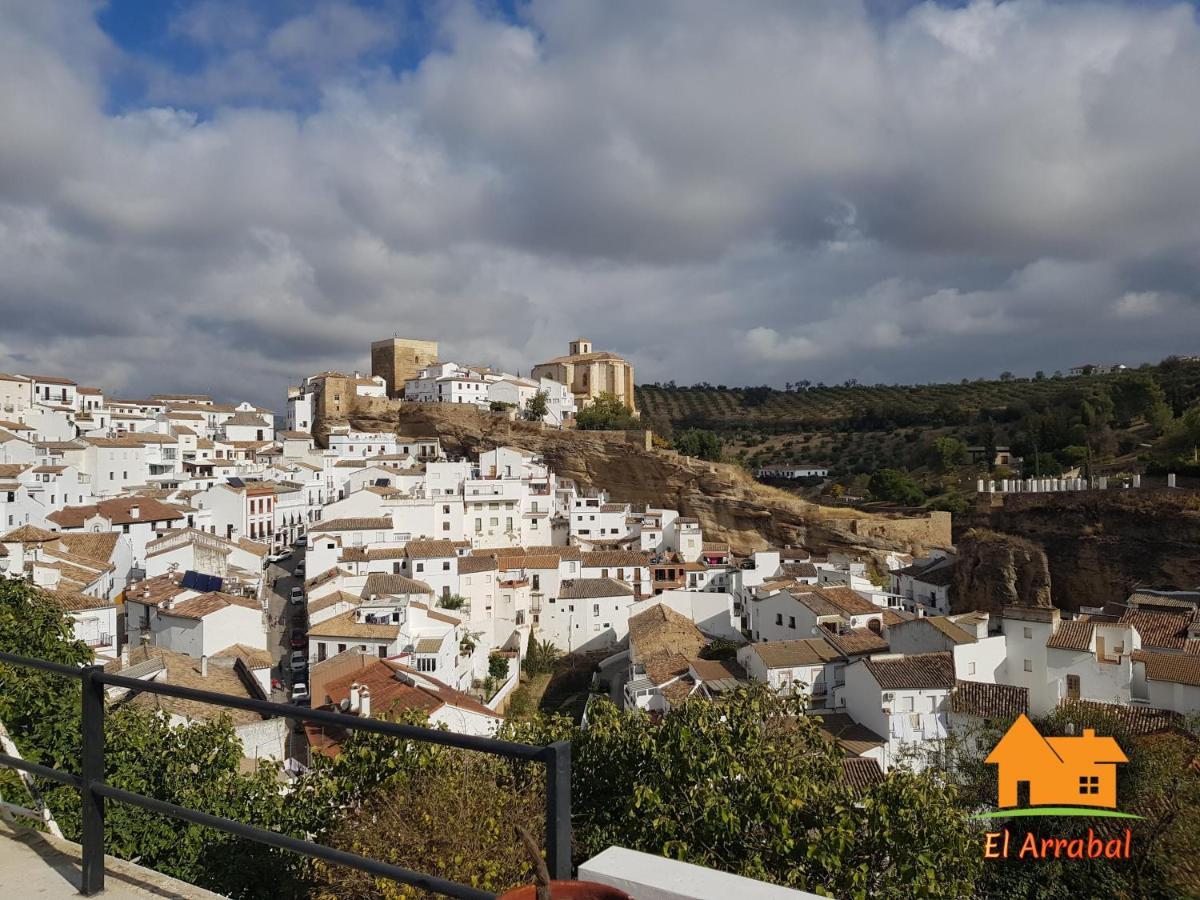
(94, 790)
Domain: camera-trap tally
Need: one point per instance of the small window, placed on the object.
(970, 668)
(1029, 665)
(792, 622)
(1028, 632)
(446, 566)
(778, 618)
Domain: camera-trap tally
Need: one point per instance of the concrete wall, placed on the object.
(649, 877)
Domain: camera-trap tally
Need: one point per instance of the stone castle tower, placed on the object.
(396, 360)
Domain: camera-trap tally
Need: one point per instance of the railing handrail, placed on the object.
(94, 789)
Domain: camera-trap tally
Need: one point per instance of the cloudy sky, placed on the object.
(229, 195)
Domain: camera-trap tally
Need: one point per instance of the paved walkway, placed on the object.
(37, 865)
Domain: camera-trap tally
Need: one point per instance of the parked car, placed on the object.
(298, 661)
(300, 694)
(297, 595)
(300, 568)
(280, 556)
(299, 638)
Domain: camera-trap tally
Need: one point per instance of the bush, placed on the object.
(498, 667)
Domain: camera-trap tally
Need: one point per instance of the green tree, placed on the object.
(498, 667)
(950, 453)
(895, 486)
(606, 413)
(196, 766)
(1136, 395)
(541, 657)
(537, 407)
(748, 785)
(452, 601)
(700, 443)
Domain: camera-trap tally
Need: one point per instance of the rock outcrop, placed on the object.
(998, 570)
(1101, 545)
(730, 505)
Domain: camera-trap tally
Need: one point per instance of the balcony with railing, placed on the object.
(46, 865)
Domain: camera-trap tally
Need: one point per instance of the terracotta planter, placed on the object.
(569, 890)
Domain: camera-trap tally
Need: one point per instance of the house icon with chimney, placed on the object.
(1056, 771)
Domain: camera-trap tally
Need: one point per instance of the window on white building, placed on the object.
(1028, 632)
(1029, 665)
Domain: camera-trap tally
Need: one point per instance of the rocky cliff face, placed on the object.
(730, 505)
(1100, 545)
(999, 570)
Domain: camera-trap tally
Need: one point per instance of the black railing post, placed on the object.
(558, 810)
(92, 772)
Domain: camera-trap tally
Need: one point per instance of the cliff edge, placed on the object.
(730, 505)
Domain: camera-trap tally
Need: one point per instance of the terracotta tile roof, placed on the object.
(659, 630)
(861, 773)
(532, 561)
(857, 641)
(344, 625)
(49, 379)
(333, 599)
(852, 737)
(847, 600)
(896, 616)
(72, 601)
(1177, 668)
(252, 656)
(589, 588)
(717, 672)
(799, 570)
(436, 615)
(616, 558)
(1132, 720)
(803, 652)
(666, 667)
(153, 591)
(206, 604)
(1072, 635)
(913, 671)
(989, 701)
(378, 523)
(385, 583)
(387, 553)
(118, 511)
(945, 626)
(1159, 630)
(469, 565)
(30, 534)
(429, 549)
(396, 686)
(1031, 613)
(1182, 600)
(185, 671)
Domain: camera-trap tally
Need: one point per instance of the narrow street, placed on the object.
(284, 616)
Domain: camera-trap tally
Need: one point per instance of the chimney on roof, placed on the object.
(355, 698)
(135, 512)
(365, 702)
(203, 665)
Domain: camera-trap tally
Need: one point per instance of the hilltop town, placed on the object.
(413, 535)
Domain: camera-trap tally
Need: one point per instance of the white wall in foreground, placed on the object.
(649, 877)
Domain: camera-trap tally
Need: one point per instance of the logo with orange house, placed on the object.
(1056, 776)
(1056, 771)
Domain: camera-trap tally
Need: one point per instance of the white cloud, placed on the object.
(728, 192)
